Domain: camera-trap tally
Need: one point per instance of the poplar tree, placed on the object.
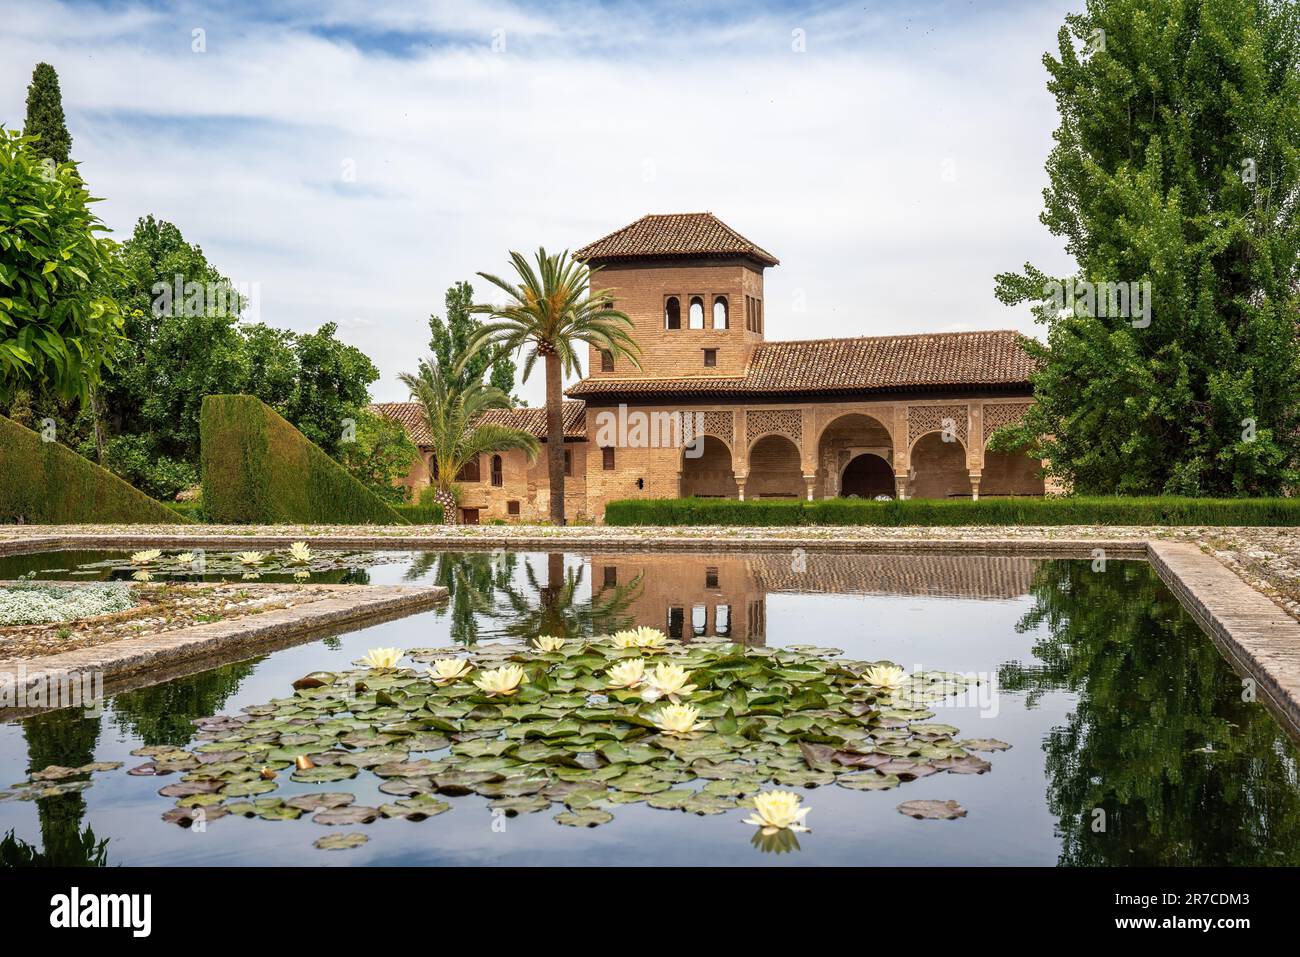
(1176, 172)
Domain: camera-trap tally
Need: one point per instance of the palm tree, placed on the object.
(550, 312)
(456, 434)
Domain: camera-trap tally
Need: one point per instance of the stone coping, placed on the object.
(155, 658)
(1256, 636)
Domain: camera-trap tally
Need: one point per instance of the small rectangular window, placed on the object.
(611, 576)
(512, 508)
(607, 458)
(568, 463)
(710, 358)
(711, 577)
(606, 361)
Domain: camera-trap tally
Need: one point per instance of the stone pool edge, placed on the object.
(1256, 635)
(358, 605)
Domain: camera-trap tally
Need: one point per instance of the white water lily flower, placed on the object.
(301, 574)
(382, 659)
(677, 719)
(667, 680)
(300, 553)
(889, 677)
(142, 576)
(778, 811)
(503, 681)
(146, 556)
(645, 638)
(447, 670)
(251, 558)
(548, 643)
(185, 558)
(627, 673)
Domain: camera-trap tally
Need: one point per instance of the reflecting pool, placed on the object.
(1132, 740)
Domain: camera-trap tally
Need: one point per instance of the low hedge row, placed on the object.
(257, 468)
(48, 483)
(1069, 510)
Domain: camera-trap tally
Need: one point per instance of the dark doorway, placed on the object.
(866, 477)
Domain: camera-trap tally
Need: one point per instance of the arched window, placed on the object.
(719, 312)
(696, 313)
(496, 471)
(672, 313)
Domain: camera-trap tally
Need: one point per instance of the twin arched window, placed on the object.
(695, 313)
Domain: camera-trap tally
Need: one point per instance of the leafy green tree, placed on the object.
(58, 331)
(448, 341)
(1176, 164)
(332, 386)
(45, 116)
(457, 434)
(379, 454)
(552, 311)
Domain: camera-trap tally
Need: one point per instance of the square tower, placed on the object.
(693, 288)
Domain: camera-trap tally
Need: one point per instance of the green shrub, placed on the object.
(948, 512)
(48, 483)
(257, 468)
(134, 459)
(419, 514)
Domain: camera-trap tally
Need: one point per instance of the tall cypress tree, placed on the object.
(1176, 165)
(45, 115)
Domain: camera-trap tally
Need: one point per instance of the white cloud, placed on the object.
(833, 159)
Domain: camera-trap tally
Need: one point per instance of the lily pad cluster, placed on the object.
(302, 563)
(534, 730)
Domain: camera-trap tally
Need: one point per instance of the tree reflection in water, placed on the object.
(1162, 742)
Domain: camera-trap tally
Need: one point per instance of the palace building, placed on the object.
(898, 416)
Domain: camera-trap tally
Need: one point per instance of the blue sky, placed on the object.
(353, 159)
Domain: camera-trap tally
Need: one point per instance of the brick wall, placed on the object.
(641, 290)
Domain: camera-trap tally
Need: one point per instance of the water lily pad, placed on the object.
(932, 810)
(512, 806)
(351, 814)
(340, 842)
(670, 800)
(867, 781)
(316, 802)
(985, 744)
(324, 774)
(586, 817)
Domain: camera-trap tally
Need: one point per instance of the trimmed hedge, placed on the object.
(1068, 510)
(257, 468)
(48, 483)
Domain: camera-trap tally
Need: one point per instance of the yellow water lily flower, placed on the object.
(301, 574)
(251, 558)
(382, 658)
(889, 677)
(300, 553)
(185, 558)
(146, 556)
(627, 673)
(447, 670)
(503, 681)
(667, 681)
(677, 719)
(648, 639)
(778, 811)
(548, 643)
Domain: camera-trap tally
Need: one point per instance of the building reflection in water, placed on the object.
(725, 596)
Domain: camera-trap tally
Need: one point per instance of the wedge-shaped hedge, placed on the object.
(1069, 510)
(257, 468)
(48, 483)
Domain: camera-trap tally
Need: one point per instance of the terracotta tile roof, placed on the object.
(528, 419)
(869, 364)
(674, 235)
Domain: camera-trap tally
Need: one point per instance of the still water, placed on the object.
(1131, 741)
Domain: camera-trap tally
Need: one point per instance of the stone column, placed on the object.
(811, 482)
(900, 480)
(740, 482)
(975, 484)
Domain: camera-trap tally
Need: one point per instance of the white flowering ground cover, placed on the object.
(39, 604)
